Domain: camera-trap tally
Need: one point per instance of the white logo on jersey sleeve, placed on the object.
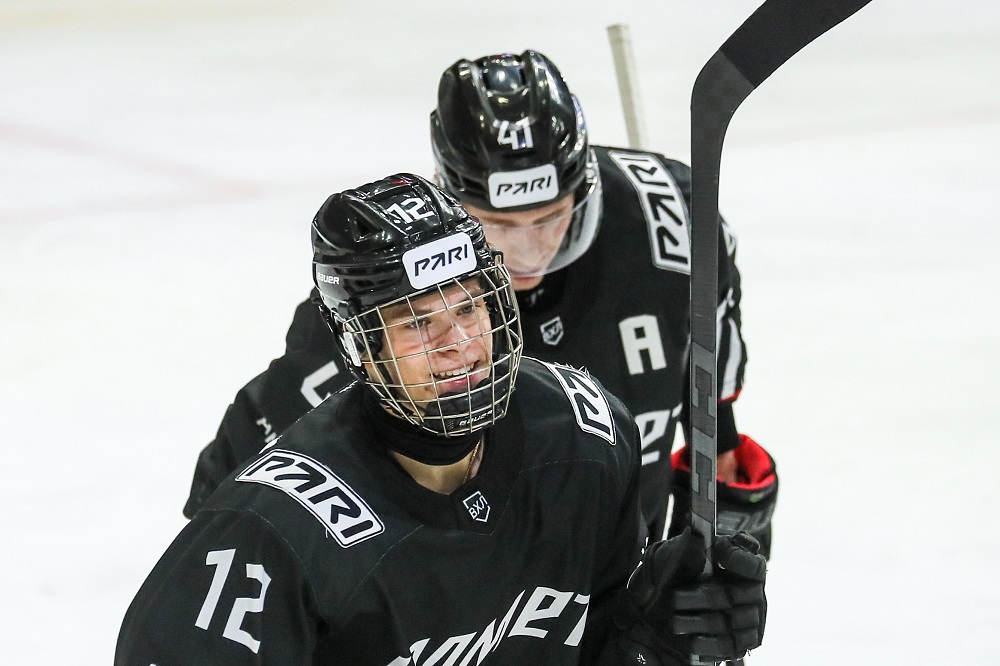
(310, 483)
(593, 414)
(662, 206)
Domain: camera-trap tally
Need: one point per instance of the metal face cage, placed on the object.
(443, 358)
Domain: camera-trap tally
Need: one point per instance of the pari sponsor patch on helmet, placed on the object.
(523, 187)
(439, 260)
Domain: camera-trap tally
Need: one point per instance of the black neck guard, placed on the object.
(397, 435)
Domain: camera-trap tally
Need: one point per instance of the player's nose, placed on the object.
(457, 334)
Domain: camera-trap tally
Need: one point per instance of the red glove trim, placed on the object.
(731, 398)
(752, 462)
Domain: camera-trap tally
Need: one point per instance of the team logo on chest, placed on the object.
(553, 331)
(478, 507)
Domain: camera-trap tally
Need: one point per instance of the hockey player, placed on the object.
(457, 504)
(596, 240)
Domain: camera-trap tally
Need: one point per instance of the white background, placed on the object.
(160, 163)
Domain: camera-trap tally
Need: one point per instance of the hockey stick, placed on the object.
(628, 85)
(774, 33)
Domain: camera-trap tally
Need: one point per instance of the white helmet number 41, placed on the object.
(516, 135)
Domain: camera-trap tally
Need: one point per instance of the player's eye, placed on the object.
(550, 219)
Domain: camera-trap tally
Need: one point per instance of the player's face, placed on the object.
(438, 344)
(529, 239)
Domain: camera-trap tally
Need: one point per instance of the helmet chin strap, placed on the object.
(415, 443)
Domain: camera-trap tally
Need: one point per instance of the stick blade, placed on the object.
(789, 26)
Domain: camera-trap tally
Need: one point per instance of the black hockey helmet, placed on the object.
(395, 241)
(508, 135)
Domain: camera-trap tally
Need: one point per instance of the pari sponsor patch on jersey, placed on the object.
(662, 206)
(439, 260)
(593, 414)
(524, 187)
(310, 483)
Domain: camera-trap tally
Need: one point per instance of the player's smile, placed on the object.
(461, 379)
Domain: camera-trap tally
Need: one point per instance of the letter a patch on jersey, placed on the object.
(593, 414)
(310, 483)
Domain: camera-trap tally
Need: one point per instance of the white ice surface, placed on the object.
(159, 165)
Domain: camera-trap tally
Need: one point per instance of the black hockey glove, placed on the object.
(670, 612)
(746, 505)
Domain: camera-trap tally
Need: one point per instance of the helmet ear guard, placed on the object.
(351, 349)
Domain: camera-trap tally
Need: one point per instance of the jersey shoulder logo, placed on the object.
(663, 207)
(590, 405)
(312, 484)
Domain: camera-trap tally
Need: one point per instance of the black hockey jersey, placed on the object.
(621, 311)
(323, 550)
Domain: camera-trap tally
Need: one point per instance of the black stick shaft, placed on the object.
(767, 39)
